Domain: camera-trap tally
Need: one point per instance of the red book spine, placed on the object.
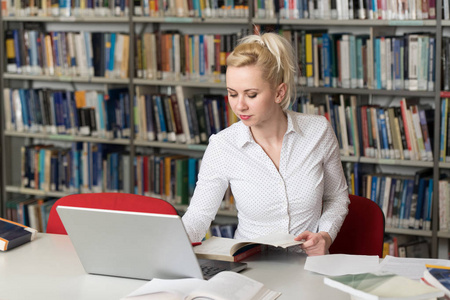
(365, 130)
(247, 253)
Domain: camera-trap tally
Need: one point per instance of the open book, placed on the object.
(223, 286)
(382, 286)
(439, 277)
(236, 250)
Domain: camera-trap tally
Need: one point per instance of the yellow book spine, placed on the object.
(309, 55)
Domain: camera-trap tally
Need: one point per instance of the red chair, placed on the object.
(363, 230)
(112, 201)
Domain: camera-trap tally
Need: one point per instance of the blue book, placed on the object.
(89, 54)
(377, 64)
(65, 112)
(356, 177)
(189, 118)
(32, 40)
(162, 120)
(381, 193)
(111, 54)
(331, 113)
(398, 70)
(384, 134)
(25, 109)
(326, 52)
(373, 193)
(30, 109)
(127, 117)
(201, 54)
(402, 204)
(192, 175)
(420, 200)
(427, 217)
(42, 168)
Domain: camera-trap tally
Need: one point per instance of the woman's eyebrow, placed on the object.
(247, 90)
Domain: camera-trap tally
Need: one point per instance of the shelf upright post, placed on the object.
(2, 135)
(131, 88)
(437, 112)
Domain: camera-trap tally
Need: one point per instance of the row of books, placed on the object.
(36, 52)
(397, 132)
(172, 55)
(414, 248)
(181, 118)
(66, 8)
(84, 113)
(406, 201)
(192, 8)
(167, 176)
(297, 9)
(330, 60)
(356, 61)
(347, 9)
(171, 177)
(158, 117)
(83, 167)
(29, 211)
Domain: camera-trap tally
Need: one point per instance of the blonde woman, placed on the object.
(283, 167)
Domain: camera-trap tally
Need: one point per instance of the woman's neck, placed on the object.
(272, 132)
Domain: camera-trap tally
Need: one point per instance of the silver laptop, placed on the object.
(135, 245)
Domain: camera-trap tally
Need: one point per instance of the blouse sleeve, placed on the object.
(209, 191)
(335, 197)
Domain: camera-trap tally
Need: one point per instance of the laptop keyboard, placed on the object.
(212, 267)
(210, 271)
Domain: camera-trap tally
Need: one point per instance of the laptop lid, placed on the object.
(130, 244)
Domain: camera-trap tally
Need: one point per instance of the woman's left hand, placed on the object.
(314, 243)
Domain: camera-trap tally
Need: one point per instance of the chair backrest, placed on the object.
(363, 230)
(112, 201)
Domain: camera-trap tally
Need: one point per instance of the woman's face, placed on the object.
(251, 97)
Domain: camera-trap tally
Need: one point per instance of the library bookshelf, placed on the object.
(134, 25)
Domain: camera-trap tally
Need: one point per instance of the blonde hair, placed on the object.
(274, 55)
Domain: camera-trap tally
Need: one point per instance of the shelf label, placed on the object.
(197, 147)
(406, 23)
(61, 137)
(68, 19)
(387, 161)
(178, 20)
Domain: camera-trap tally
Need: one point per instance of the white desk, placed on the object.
(48, 268)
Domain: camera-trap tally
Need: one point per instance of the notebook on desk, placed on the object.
(135, 245)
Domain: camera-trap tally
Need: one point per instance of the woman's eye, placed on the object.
(252, 96)
(233, 95)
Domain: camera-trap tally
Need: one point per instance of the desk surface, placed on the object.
(48, 268)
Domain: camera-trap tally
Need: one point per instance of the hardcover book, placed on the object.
(235, 250)
(13, 234)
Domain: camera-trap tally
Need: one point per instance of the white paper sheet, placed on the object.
(409, 267)
(342, 264)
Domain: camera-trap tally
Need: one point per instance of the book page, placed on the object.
(226, 246)
(165, 289)
(232, 286)
(216, 245)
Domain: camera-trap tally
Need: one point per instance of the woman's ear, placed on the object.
(281, 92)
